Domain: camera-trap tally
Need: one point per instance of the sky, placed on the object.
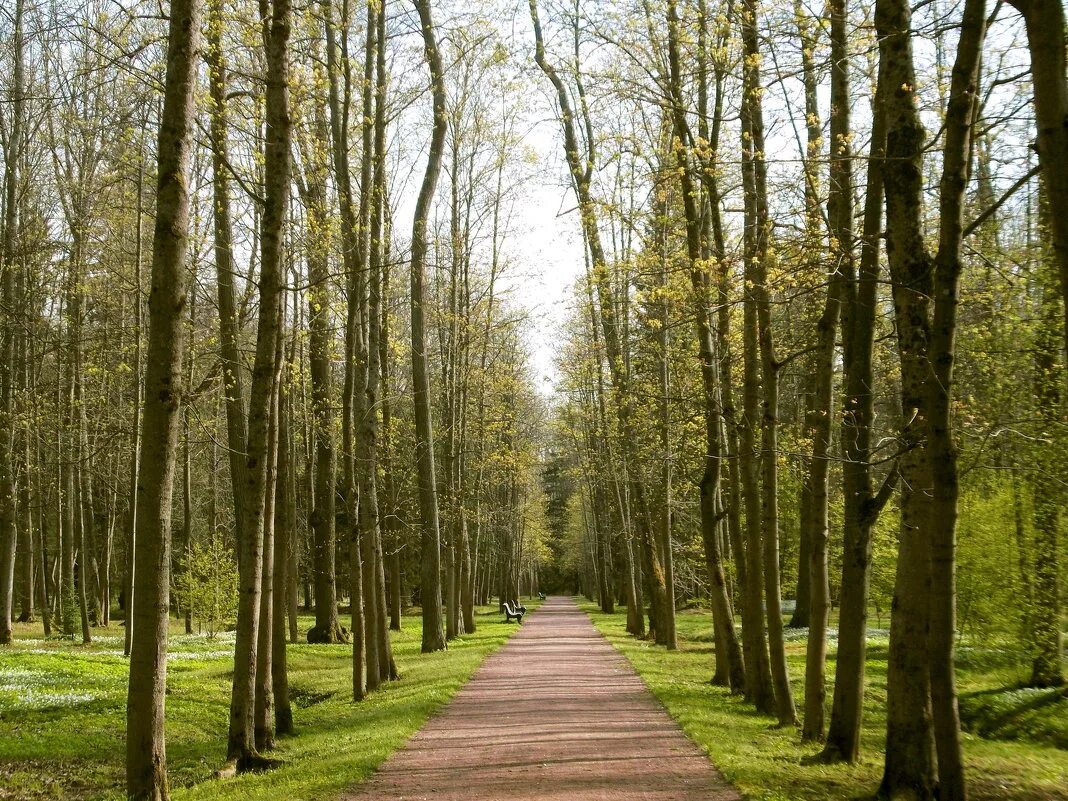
(547, 236)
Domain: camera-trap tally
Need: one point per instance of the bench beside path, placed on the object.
(557, 714)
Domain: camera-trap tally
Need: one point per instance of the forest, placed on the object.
(332, 332)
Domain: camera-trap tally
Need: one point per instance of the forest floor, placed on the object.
(62, 713)
(62, 718)
(769, 763)
(555, 715)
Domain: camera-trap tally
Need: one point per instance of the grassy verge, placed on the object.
(766, 762)
(62, 713)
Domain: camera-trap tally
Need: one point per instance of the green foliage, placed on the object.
(207, 587)
(989, 591)
(1026, 713)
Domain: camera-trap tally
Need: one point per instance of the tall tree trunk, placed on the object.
(1045, 24)
(275, 19)
(12, 152)
(861, 504)
(961, 113)
(710, 480)
(759, 231)
(146, 760)
(1044, 611)
(760, 683)
(819, 413)
(135, 439)
(327, 628)
(376, 347)
(264, 712)
(923, 754)
(284, 534)
(433, 635)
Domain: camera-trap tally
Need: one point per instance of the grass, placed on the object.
(767, 762)
(62, 713)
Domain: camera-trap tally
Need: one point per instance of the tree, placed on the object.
(923, 725)
(433, 634)
(146, 760)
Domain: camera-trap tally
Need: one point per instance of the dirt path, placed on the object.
(555, 715)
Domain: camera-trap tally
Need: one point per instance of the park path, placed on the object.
(557, 714)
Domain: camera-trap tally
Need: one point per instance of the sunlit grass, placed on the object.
(62, 713)
(768, 762)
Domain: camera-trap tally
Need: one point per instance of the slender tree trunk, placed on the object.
(861, 504)
(815, 591)
(241, 747)
(756, 266)
(433, 635)
(327, 628)
(710, 480)
(284, 533)
(146, 761)
(759, 681)
(376, 348)
(12, 152)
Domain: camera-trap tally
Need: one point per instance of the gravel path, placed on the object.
(556, 714)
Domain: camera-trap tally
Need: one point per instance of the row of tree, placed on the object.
(822, 308)
(211, 360)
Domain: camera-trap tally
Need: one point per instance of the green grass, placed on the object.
(1018, 713)
(62, 713)
(768, 762)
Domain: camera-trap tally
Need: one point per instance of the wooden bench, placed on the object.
(513, 614)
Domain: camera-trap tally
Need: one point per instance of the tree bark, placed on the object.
(861, 504)
(1045, 24)
(146, 761)
(821, 406)
(275, 19)
(723, 619)
(433, 635)
(923, 755)
(12, 153)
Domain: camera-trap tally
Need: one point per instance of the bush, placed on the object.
(208, 585)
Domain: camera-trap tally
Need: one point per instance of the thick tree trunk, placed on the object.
(923, 755)
(264, 713)
(1045, 23)
(1044, 612)
(961, 112)
(910, 756)
(146, 760)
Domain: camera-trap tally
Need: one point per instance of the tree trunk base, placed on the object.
(320, 635)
